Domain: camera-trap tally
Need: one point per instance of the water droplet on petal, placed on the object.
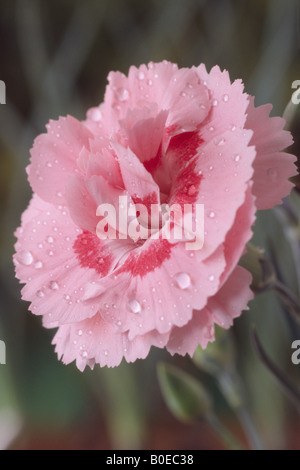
(134, 306)
(50, 239)
(183, 280)
(25, 258)
(211, 278)
(95, 114)
(215, 103)
(122, 94)
(211, 215)
(38, 265)
(80, 332)
(225, 98)
(54, 285)
(40, 294)
(237, 158)
(140, 75)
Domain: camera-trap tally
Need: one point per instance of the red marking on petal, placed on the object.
(152, 164)
(92, 254)
(187, 185)
(148, 259)
(146, 201)
(185, 145)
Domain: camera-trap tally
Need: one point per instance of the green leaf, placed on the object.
(184, 395)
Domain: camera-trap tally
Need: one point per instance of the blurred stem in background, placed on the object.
(117, 389)
(219, 360)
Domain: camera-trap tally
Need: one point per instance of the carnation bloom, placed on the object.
(163, 135)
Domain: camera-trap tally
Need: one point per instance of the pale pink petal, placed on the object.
(272, 168)
(146, 135)
(54, 156)
(95, 341)
(52, 260)
(226, 171)
(137, 180)
(187, 100)
(239, 234)
(232, 298)
(226, 305)
(229, 103)
(162, 287)
(81, 204)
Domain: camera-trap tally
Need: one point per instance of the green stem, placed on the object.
(232, 390)
(225, 435)
(250, 429)
(288, 297)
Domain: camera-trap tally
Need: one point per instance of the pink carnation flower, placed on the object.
(163, 135)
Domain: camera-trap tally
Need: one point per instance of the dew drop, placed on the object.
(50, 239)
(80, 332)
(215, 102)
(54, 285)
(225, 98)
(237, 158)
(134, 306)
(211, 278)
(40, 294)
(140, 75)
(211, 215)
(183, 280)
(122, 94)
(25, 258)
(38, 265)
(95, 114)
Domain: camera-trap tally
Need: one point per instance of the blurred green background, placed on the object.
(55, 57)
